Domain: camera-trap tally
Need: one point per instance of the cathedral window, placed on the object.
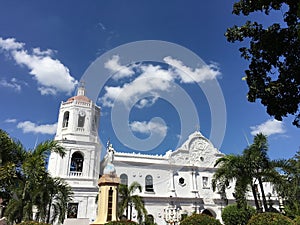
(72, 210)
(76, 162)
(110, 205)
(124, 179)
(95, 123)
(66, 119)
(149, 183)
(81, 118)
(205, 182)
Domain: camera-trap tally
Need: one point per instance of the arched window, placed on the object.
(149, 183)
(95, 123)
(81, 121)
(124, 179)
(76, 162)
(150, 218)
(209, 213)
(66, 119)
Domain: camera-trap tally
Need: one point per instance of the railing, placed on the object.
(82, 103)
(80, 129)
(75, 174)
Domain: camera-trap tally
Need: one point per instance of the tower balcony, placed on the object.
(75, 174)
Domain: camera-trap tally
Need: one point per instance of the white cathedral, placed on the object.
(175, 184)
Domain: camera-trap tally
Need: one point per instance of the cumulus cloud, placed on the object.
(30, 127)
(10, 44)
(13, 84)
(269, 127)
(189, 75)
(145, 127)
(152, 80)
(146, 102)
(120, 71)
(49, 72)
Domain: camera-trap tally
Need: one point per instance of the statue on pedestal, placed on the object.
(108, 190)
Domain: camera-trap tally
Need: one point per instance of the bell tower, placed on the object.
(77, 132)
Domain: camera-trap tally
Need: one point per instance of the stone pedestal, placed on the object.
(107, 199)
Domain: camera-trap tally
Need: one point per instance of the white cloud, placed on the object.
(152, 80)
(10, 44)
(269, 127)
(120, 71)
(10, 120)
(189, 75)
(13, 84)
(38, 51)
(50, 73)
(145, 127)
(29, 127)
(146, 102)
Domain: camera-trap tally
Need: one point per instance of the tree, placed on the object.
(23, 178)
(232, 215)
(274, 70)
(289, 187)
(233, 168)
(129, 199)
(252, 167)
(256, 155)
(270, 219)
(52, 200)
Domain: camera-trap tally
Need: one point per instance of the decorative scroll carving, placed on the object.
(197, 151)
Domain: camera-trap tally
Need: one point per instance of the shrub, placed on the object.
(232, 215)
(200, 219)
(128, 222)
(297, 220)
(270, 219)
(33, 223)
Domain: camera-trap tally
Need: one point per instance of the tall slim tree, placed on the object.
(129, 199)
(289, 186)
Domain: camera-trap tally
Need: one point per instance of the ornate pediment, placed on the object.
(197, 151)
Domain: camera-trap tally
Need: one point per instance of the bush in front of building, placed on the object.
(297, 220)
(33, 223)
(200, 219)
(128, 222)
(268, 218)
(232, 215)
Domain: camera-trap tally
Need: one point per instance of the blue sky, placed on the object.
(46, 47)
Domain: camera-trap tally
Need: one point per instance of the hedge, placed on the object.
(200, 219)
(268, 218)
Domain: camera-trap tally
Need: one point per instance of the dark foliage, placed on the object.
(273, 75)
(270, 219)
(200, 219)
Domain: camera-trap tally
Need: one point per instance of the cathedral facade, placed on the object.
(175, 184)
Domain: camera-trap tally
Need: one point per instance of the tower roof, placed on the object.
(80, 94)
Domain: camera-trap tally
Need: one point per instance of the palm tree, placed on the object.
(247, 169)
(232, 168)
(288, 186)
(128, 199)
(52, 200)
(259, 163)
(23, 175)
